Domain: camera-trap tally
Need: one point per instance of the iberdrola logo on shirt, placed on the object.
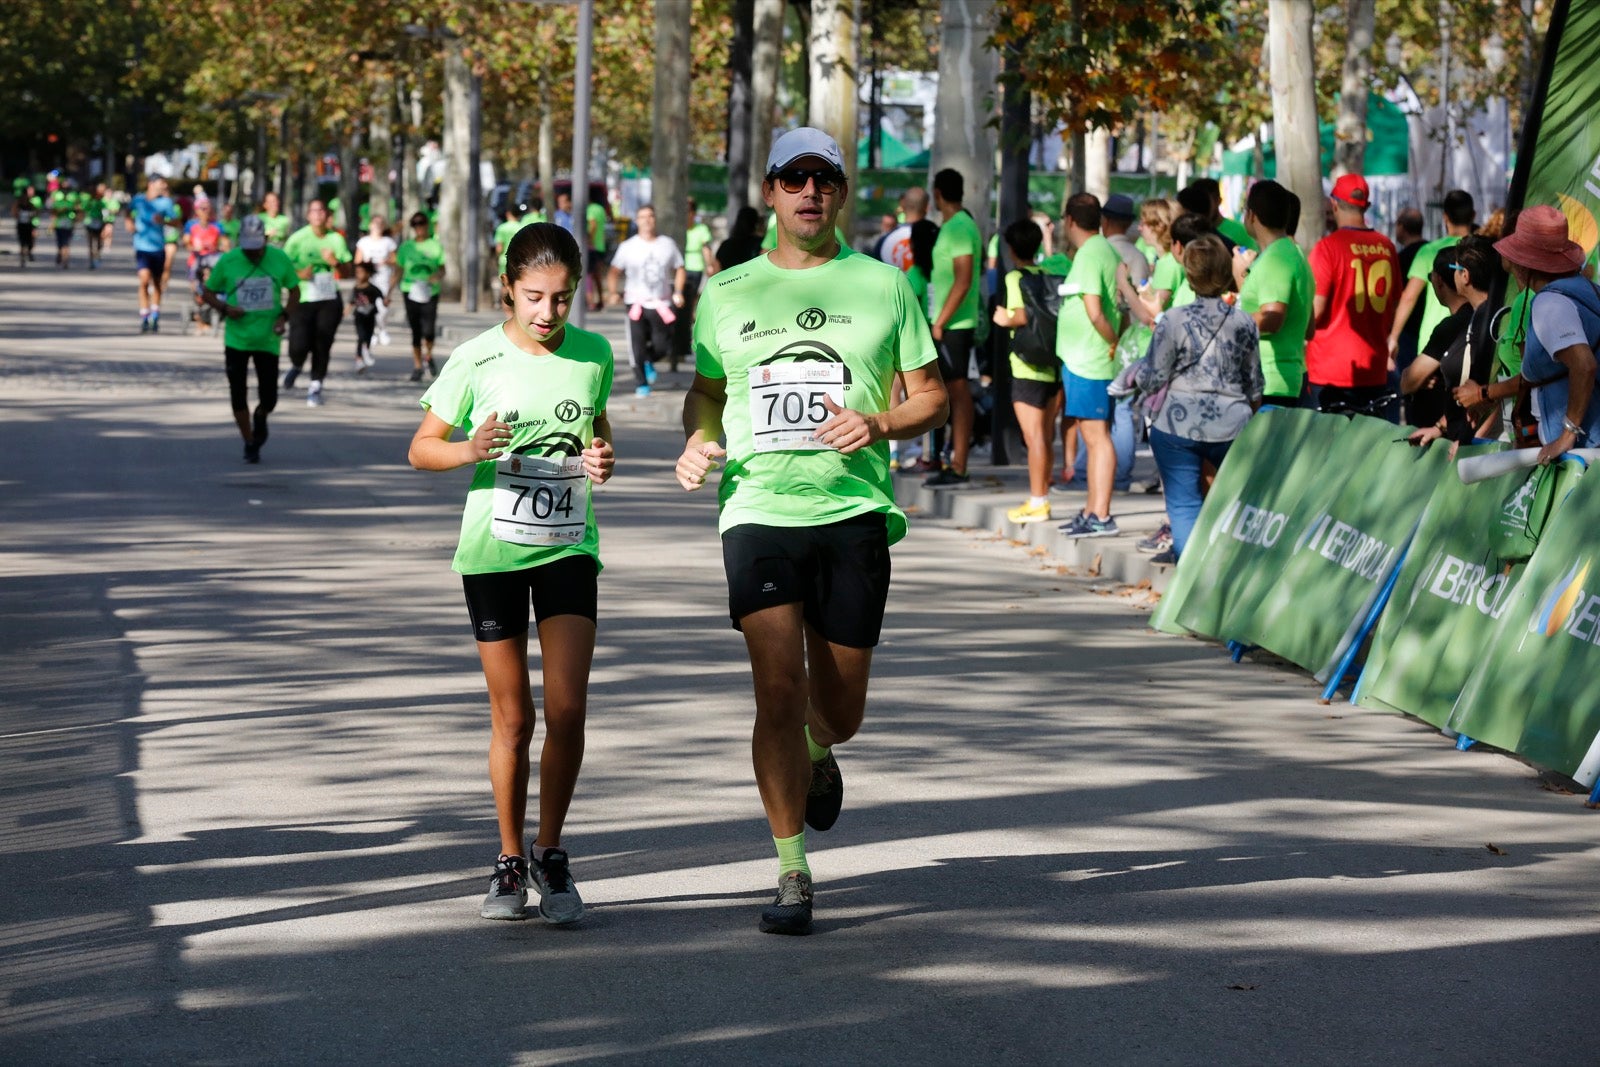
(809, 350)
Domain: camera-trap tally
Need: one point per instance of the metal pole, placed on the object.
(580, 148)
(474, 207)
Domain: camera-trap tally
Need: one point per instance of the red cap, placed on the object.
(1352, 189)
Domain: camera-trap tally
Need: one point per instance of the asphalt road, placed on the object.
(244, 815)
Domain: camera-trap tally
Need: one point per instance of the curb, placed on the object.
(983, 506)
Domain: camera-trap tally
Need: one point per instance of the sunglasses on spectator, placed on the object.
(794, 179)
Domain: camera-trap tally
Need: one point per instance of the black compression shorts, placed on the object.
(839, 573)
(498, 602)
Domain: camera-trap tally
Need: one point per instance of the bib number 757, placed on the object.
(540, 500)
(788, 402)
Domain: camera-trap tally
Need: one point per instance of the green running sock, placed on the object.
(792, 854)
(817, 751)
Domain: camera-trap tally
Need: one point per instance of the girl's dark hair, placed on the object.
(541, 246)
(1477, 255)
(745, 223)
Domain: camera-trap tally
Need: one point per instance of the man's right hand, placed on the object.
(696, 463)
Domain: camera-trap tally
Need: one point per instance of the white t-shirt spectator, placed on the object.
(647, 268)
(378, 251)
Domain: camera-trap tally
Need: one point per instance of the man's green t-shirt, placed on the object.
(1514, 334)
(1078, 343)
(694, 244)
(1281, 275)
(1057, 263)
(256, 287)
(959, 236)
(1233, 231)
(277, 228)
(304, 249)
(532, 217)
(418, 261)
(1021, 368)
(64, 209)
(1433, 312)
(855, 310)
(919, 289)
(596, 216)
(551, 403)
(230, 230)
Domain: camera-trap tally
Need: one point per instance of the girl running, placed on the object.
(536, 390)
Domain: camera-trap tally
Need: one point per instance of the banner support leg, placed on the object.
(1463, 742)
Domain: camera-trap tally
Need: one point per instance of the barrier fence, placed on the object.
(1476, 607)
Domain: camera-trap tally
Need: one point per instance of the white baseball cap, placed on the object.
(805, 141)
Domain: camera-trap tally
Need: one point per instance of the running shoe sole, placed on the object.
(826, 795)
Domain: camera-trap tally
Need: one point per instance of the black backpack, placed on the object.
(1034, 342)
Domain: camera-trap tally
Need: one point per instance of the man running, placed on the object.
(64, 219)
(316, 252)
(99, 210)
(795, 354)
(148, 216)
(26, 209)
(650, 269)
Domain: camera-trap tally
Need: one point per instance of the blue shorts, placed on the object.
(1086, 397)
(154, 262)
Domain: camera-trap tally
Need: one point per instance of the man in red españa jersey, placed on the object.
(1358, 286)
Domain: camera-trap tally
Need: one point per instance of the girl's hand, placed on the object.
(490, 440)
(599, 461)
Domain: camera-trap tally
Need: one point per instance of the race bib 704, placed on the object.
(540, 500)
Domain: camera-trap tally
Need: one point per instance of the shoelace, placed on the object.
(507, 878)
(555, 872)
(792, 892)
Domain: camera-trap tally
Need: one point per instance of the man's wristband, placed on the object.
(1573, 428)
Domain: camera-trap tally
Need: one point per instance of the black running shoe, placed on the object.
(252, 453)
(433, 369)
(826, 795)
(790, 910)
(259, 425)
(289, 376)
(946, 478)
(416, 374)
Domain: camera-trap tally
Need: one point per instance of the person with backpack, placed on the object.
(1558, 364)
(1033, 301)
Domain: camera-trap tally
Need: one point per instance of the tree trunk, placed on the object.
(1294, 111)
(968, 73)
(1016, 140)
(669, 148)
(379, 152)
(547, 156)
(1350, 132)
(453, 189)
(739, 105)
(765, 65)
(1097, 163)
(833, 88)
(349, 183)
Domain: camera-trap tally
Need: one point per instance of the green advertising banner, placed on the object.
(1251, 543)
(1347, 539)
(1279, 455)
(1537, 692)
(1465, 564)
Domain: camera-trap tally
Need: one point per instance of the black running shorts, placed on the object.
(955, 354)
(498, 602)
(1035, 394)
(839, 573)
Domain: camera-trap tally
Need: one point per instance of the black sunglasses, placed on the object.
(794, 179)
